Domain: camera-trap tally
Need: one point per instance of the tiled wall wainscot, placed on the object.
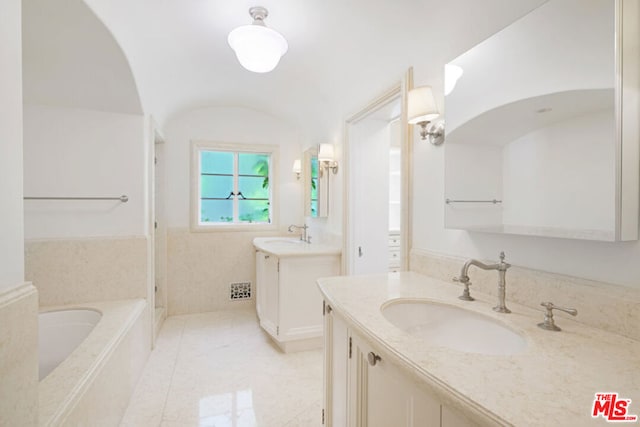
(604, 306)
(202, 265)
(88, 269)
(19, 356)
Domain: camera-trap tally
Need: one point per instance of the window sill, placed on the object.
(216, 228)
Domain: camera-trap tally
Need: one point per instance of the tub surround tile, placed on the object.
(19, 356)
(93, 385)
(226, 373)
(554, 380)
(601, 305)
(84, 270)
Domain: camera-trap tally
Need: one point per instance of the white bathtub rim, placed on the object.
(74, 307)
(69, 320)
(61, 390)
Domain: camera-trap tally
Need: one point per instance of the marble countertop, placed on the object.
(290, 247)
(553, 382)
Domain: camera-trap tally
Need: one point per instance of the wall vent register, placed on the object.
(240, 291)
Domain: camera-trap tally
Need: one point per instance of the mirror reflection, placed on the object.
(316, 202)
(531, 126)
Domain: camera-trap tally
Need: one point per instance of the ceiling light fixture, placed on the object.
(257, 47)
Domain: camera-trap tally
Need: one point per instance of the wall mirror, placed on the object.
(542, 125)
(316, 187)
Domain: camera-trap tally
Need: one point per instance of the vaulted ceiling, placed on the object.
(341, 53)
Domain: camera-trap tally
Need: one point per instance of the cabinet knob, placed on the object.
(373, 358)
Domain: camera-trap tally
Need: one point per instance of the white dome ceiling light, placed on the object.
(257, 47)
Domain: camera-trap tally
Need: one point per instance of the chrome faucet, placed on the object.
(502, 283)
(303, 236)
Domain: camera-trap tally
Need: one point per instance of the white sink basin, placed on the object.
(453, 327)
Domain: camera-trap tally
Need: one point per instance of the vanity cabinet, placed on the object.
(288, 302)
(365, 389)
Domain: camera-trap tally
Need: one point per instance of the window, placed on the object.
(233, 186)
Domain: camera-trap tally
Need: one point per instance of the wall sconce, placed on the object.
(297, 168)
(421, 111)
(325, 159)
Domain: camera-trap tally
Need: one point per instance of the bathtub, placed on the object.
(60, 332)
(91, 359)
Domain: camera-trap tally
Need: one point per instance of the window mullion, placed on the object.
(236, 207)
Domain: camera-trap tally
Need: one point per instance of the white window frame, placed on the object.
(196, 148)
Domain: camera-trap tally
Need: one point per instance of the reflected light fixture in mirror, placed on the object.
(326, 159)
(257, 47)
(297, 168)
(452, 74)
(422, 110)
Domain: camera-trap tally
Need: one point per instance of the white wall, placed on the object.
(230, 125)
(71, 59)
(11, 222)
(79, 152)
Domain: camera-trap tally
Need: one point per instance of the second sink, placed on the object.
(453, 327)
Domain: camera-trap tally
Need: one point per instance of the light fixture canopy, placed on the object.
(257, 47)
(326, 159)
(422, 110)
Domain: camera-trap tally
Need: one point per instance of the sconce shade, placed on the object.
(325, 153)
(297, 166)
(257, 47)
(422, 105)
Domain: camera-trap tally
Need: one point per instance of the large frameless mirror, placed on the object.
(538, 141)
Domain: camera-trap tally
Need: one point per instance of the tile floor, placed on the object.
(220, 369)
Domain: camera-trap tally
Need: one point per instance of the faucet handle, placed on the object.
(466, 295)
(548, 323)
(503, 266)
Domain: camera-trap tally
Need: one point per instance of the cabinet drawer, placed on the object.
(394, 241)
(394, 263)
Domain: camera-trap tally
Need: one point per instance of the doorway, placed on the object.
(375, 187)
(159, 234)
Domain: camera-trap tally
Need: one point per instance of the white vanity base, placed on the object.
(288, 301)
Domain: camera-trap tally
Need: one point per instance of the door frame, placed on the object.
(398, 90)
